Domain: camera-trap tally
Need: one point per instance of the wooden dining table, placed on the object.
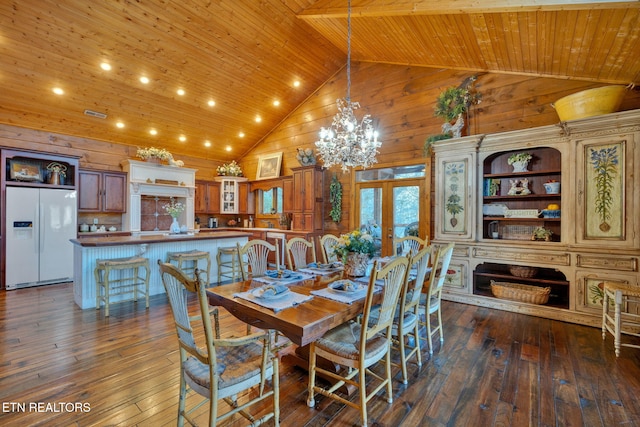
(302, 323)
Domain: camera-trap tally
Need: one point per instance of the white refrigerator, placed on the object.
(39, 224)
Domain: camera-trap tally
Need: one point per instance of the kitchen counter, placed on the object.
(87, 250)
(154, 238)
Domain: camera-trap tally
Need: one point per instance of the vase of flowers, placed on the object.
(355, 249)
(174, 209)
(519, 161)
(230, 169)
(153, 154)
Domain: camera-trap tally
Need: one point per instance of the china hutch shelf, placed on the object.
(491, 211)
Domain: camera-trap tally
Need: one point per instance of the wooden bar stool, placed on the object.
(188, 263)
(624, 299)
(228, 264)
(121, 276)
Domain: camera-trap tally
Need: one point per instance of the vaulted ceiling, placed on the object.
(246, 55)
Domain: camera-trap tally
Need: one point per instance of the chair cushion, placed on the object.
(235, 364)
(344, 341)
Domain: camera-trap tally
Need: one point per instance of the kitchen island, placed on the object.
(152, 246)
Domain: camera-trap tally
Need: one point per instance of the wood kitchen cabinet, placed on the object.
(246, 199)
(102, 191)
(207, 197)
(308, 185)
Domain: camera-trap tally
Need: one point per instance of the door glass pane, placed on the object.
(371, 214)
(406, 210)
(396, 172)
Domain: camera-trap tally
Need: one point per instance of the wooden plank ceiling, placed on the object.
(246, 54)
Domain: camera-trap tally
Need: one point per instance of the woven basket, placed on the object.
(522, 293)
(523, 271)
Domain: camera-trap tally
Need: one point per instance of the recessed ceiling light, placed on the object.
(211, 103)
(207, 143)
(296, 83)
(144, 80)
(180, 92)
(153, 131)
(120, 125)
(105, 66)
(258, 119)
(58, 91)
(182, 138)
(241, 134)
(228, 148)
(276, 103)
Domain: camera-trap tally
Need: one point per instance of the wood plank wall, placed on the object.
(399, 98)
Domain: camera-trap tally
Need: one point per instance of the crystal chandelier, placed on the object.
(348, 143)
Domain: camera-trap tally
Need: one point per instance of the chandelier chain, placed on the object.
(347, 142)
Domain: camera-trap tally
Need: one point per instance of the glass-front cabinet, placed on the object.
(230, 194)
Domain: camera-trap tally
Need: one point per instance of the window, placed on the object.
(271, 201)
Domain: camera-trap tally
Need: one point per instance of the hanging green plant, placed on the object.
(335, 198)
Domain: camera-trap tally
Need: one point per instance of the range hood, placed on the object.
(150, 179)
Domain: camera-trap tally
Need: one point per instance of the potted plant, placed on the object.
(153, 154)
(451, 105)
(355, 249)
(541, 233)
(519, 161)
(230, 169)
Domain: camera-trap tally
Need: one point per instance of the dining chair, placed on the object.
(218, 369)
(297, 252)
(356, 346)
(254, 258)
(408, 245)
(431, 297)
(406, 325)
(327, 242)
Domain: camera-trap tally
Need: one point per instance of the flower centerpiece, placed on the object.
(154, 154)
(174, 209)
(519, 161)
(355, 249)
(230, 169)
(56, 172)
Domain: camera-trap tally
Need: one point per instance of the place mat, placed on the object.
(295, 277)
(321, 272)
(287, 301)
(343, 298)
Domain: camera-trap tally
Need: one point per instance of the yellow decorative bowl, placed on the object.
(590, 102)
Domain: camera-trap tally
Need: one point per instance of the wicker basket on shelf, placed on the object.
(519, 292)
(523, 271)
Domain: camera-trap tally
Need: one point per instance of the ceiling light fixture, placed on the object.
(58, 91)
(211, 103)
(120, 125)
(180, 92)
(105, 66)
(153, 131)
(144, 80)
(348, 143)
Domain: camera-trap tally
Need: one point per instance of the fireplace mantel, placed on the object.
(149, 179)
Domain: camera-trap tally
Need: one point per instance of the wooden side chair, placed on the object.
(297, 252)
(406, 323)
(432, 296)
(220, 369)
(254, 258)
(327, 242)
(408, 245)
(624, 300)
(356, 346)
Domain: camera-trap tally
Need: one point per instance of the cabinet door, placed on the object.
(114, 192)
(200, 200)
(245, 199)
(89, 191)
(455, 192)
(213, 198)
(229, 197)
(606, 206)
(298, 189)
(288, 195)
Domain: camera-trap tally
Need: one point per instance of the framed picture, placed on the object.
(24, 170)
(269, 166)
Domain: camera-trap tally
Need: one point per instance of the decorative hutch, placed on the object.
(570, 215)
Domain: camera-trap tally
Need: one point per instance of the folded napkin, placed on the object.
(346, 298)
(289, 299)
(278, 273)
(292, 277)
(273, 290)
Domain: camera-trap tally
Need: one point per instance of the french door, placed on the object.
(391, 208)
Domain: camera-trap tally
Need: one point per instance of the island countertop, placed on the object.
(154, 238)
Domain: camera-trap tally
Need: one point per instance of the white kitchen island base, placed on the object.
(154, 247)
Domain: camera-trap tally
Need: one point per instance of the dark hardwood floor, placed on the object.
(60, 365)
